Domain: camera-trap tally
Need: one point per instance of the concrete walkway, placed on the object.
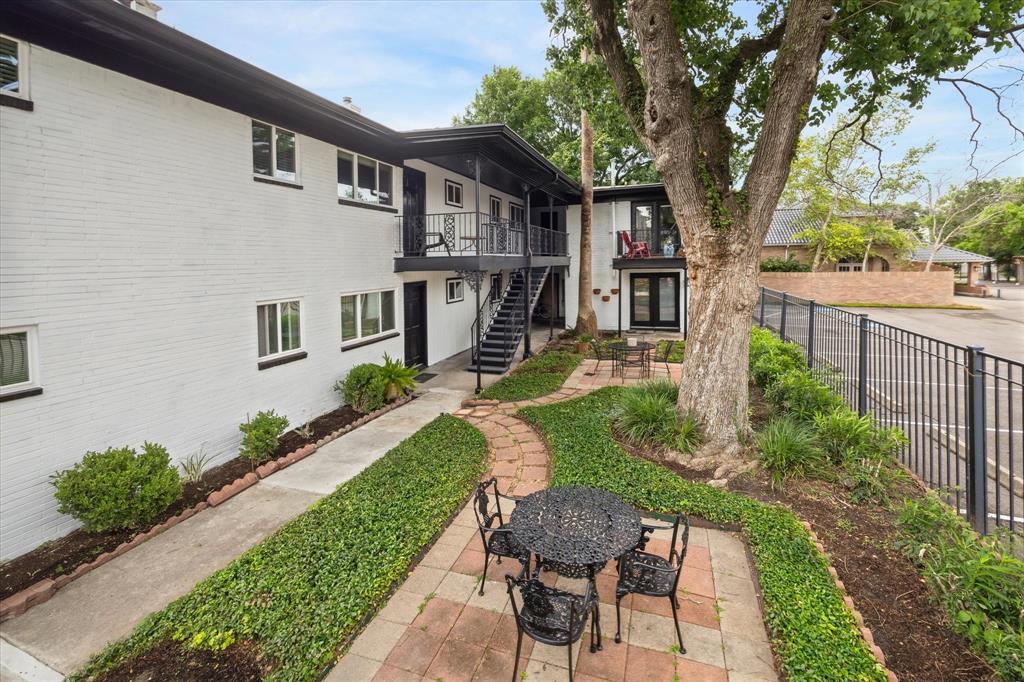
(107, 603)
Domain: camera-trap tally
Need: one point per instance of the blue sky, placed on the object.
(416, 64)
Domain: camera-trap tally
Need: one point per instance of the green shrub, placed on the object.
(784, 265)
(842, 433)
(646, 415)
(542, 374)
(978, 580)
(396, 378)
(118, 488)
(812, 632)
(787, 447)
(688, 434)
(770, 357)
(260, 436)
(800, 394)
(302, 592)
(362, 388)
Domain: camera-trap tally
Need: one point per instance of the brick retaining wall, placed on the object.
(920, 288)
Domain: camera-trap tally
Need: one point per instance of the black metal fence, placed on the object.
(467, 233)
(962, 409)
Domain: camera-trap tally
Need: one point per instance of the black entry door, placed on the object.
(414, 208)
(415, 295)
(654, 300)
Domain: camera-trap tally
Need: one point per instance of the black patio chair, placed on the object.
(551, 616)
(497, 540)
(601, 354)
(663, 356)
(629, 356)
(641, 572)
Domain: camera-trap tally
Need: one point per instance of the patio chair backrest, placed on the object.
(598, 351)
(482, 504)
(668, 350)
(679, 545)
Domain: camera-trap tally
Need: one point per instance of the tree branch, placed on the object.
(746, 50)
(982, 33)
(625, 76)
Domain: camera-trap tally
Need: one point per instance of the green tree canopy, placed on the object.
(546, 113)
(997, 230)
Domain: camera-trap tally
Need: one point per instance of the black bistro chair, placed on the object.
(662, 356)
(641, 572)
(497, 539)
(602, 355)
(551, 616)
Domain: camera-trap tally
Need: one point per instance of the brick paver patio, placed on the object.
(437, 626)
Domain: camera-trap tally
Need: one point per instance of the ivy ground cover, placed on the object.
(302, 592)
(813, 633)
(542, 374)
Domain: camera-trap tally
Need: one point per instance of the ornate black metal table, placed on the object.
(623, 355)
(575, 526)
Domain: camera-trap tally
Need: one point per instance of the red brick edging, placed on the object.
(40, 592)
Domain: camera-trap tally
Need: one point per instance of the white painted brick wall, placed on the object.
(133, 235)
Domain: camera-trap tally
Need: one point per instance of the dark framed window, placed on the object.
(452, 193)
(274, 152)
(516, 213)
(654, 223)
(455, 290)
(495, 206)
(496, 286)
(361, 178)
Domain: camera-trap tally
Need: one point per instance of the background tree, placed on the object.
(998, 230)
(840, 171)
(546, 113)
(586, 317)
(719, 101)
(950, 211)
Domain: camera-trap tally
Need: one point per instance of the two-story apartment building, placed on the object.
(186, 239)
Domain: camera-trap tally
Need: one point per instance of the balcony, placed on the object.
(665, 252)
(474, 241)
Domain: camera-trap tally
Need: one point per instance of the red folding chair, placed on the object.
(634, 249)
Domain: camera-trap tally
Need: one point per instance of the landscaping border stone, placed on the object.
(37, 593)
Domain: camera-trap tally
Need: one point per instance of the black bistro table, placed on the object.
(575, 527)
(642, 350)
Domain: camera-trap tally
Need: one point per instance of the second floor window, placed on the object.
(516, 213)
(12, 67)
(495, 207)
(17, 357)
(274, 153)
(279, 327)
(361, 178)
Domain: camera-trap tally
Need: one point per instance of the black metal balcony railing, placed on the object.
(472, 234)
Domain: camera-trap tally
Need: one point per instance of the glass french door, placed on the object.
(654, 300)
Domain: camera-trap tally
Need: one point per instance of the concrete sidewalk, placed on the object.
(107, 603)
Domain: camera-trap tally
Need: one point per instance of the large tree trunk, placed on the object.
(586, 318)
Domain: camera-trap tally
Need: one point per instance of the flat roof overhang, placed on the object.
(474, 263)
(648, 263)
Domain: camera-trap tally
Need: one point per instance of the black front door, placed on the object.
(654, 300)
(415, 295)
(414, 208)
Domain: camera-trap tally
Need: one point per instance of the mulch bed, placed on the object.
(886, 587)
(63, 555)
(241, 662)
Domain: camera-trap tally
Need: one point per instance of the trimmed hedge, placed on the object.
(813, 633)
(301, 592)
(542, 374)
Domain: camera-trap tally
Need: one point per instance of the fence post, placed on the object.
(862, 366)
(782, 319)
(761, 321)
(977, 489)
(810, 333)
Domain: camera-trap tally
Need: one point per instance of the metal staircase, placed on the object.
(503, 321)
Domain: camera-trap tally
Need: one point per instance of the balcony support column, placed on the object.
(528, 276)
(551, 276)
(476, 192)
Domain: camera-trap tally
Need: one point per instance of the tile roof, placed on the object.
(947, 254)
(785, 223)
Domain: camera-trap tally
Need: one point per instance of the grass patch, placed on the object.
(303, 591)
(542, 374)
(812, 631)
(922, 306)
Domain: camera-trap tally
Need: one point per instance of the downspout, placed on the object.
(476, 179)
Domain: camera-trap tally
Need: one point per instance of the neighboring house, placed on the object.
(187, 239)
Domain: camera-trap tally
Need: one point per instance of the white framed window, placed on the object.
(454, 290)
(495, 206)
(275, 152)
(452, 193)
(19, 358)
(367, 314)
(516, 213)
(361, 178)
(849, 267)
(279, 324)
(13, 67)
